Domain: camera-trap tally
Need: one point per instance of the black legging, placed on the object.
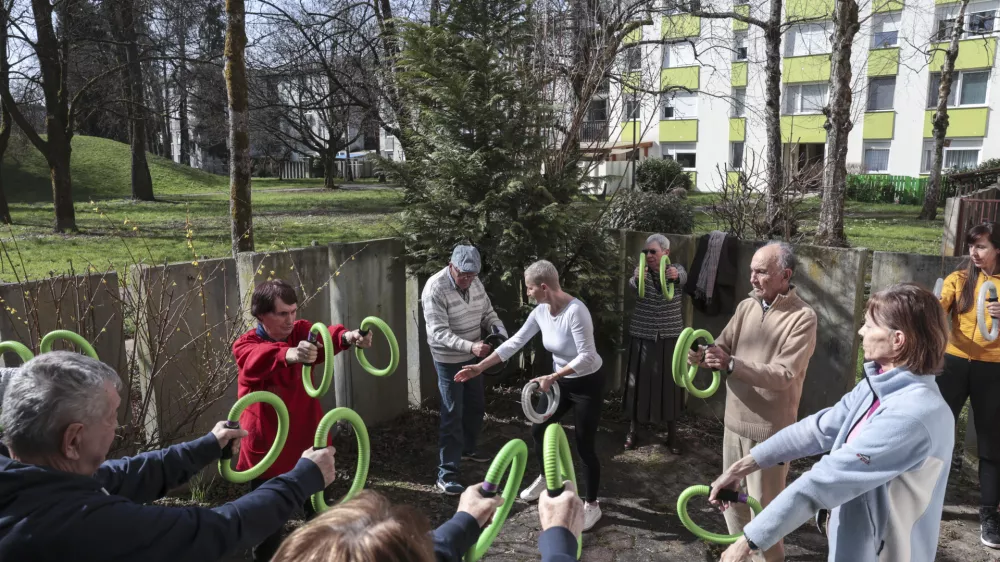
(584, 395)
(978, 381)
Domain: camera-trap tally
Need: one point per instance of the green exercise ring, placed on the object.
(687, 338)
(73, 337)
(324, 385)
(513, 457)
(668, 288)
(225, 466)
(364, 451)
(393, 348)
(642, 276)
(558, 465)
(19, 348)
(716, 538)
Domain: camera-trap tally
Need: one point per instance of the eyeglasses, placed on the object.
(464, 276)
(647, 252)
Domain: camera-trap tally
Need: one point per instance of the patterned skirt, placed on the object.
(650, 393)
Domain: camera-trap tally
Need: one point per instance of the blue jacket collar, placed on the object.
(894, 380)
(262, 333)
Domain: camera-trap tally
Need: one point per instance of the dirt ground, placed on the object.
(639, 489)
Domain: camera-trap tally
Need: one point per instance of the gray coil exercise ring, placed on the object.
(938, 287)
(988, 287)
(495, 340)
(529, 409)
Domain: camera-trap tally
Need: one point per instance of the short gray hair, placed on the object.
(50, 392)
(786, 255)
(542, 271)
(660, 239)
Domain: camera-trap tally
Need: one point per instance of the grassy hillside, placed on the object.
(101, 170)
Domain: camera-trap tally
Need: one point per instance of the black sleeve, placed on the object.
(455, 537)
(149, 476)
(557, 544)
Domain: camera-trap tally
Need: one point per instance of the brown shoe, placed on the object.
(630, 440)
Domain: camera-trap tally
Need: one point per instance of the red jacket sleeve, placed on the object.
(262, 361)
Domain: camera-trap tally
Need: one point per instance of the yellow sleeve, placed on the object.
(949, 291)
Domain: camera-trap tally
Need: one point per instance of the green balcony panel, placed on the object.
(808, 9)
(879, 125)
(743, 10)
(939, 2)
(737, 129)
(681, 26)
(631, 81)
(633, 36)
(812, 68)
(679, 130)
(972, 53)
(962, 122)
(883, 62)
(739, 75)
(694, 179)
(803, 128)
(685, 77)
(887, 6)
(732, 179)
(631, 132)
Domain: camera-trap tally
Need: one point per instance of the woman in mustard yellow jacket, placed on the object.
(972, 366)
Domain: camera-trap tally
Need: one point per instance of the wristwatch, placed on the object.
(731, 366)
(343, 340)
(753, 546)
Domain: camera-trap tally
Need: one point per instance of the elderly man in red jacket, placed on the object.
(270, 357)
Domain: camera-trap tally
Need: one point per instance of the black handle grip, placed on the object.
(227, 451)
(364, 333)
(311, 338)
(486, 492)
(728, 495)
(556, 493)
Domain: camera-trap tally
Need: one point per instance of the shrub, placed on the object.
(657, 175)
(649, 212)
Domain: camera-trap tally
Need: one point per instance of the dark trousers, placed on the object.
(978, 381)
(264, 551)
(463, 405)
(584, 395)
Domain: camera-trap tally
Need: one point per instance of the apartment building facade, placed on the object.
(712, 119)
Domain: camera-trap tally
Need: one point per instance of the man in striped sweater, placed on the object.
(457, 312)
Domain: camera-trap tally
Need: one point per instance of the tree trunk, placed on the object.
(62, 191)
(830, 231)
(940, 120)
(330, 169)
(164, 124)
(5, 119)
(142, 182)
(240, 208)
(182, 94)
(772, 119)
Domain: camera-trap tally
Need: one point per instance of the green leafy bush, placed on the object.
(649, 212)
(657, 175)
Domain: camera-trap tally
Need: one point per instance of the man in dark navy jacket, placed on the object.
(60, 499)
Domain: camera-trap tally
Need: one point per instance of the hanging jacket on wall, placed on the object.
(723, 299)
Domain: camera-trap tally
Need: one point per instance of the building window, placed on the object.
(881, 92)
(633, 58)
(678, 54)
(631, 111)
(807, 39)
(685, 154)
(679, 105)
(805, 98)
(967, 88)
(739, 108)
(736, 155)
(740, 45)
(876, 157)
(885, 30)
(597, 110)
(980, 19)
(958, 155)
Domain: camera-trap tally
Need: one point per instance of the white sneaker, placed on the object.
(532, 492)
(591, 515)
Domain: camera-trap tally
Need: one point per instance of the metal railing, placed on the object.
(594, 131)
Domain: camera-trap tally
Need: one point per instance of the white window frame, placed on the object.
(957, 85)
(637, 110)
(741, 46)
(818, 44)
(671, 150)
(795, 91)
(973, 12)
(674, 55)
(739, 106)
(875, 146)
(633, 55)
(732, 154)
(951, 145)
(688, 100)
(878, 24)
(868, 102)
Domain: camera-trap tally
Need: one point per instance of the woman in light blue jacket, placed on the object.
(879, 491)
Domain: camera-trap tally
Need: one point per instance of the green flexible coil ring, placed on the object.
(667, 288)
(324, 385)
(642, 276)
(393, 348)
(364, 451)
(46, 345)
(513, 457)
(688, 338)
(558, 465)
(225, 467)
(716, 538)
(19, 348)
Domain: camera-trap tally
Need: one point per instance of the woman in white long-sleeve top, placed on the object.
(568, 333)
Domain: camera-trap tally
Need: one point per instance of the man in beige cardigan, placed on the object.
(764, 350)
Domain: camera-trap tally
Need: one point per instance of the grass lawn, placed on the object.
(121, 232)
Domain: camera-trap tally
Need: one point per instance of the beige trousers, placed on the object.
(764, 485)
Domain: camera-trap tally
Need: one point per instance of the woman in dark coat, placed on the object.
(650, 393)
